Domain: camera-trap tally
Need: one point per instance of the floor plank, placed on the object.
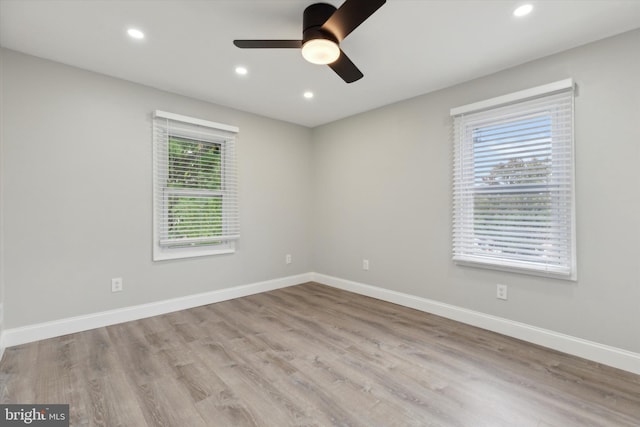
(311, 355)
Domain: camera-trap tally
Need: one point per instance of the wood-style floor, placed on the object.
(311, 355)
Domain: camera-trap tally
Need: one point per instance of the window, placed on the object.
(195, 187)
(514, 182)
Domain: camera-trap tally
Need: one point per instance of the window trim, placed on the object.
(566, 85)
(512, 98)
(162, 252)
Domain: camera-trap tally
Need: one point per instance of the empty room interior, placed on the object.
(354, 213)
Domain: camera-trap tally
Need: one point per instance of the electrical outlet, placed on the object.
(365, 264)
(116, 284)
(501, 292)
(288, 259)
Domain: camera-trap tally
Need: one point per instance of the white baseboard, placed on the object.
(40, 331)
(1, 330)
(601, 353)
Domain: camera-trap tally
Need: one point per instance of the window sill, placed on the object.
(516, 268)
(164, 254)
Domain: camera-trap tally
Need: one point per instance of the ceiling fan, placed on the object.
(323, 28)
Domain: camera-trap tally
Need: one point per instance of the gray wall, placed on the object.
(78, 195)
(76, 172)
(382, 191)
(1, 200)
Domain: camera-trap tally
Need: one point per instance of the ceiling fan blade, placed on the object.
(346, 69)
(268, 44)
(351, 14)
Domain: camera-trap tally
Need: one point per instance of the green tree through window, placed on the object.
(195, 206)
(512, 202)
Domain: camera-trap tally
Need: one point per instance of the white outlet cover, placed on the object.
(501, 292)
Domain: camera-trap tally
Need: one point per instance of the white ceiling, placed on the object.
(407, 48)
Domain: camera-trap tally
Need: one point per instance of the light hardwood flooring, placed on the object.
(311, 355)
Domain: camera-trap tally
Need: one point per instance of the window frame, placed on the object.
(162, 133)
(464, 189)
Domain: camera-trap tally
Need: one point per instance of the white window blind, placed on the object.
(195, 187)
(513, 183)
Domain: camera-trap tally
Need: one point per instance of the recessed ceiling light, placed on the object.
(308, 94)
(523, 10)
(242, 71)
(134, 33)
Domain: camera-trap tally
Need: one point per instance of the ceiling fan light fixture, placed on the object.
(320, 51)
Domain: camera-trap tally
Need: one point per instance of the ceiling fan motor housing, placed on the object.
(313, 18)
